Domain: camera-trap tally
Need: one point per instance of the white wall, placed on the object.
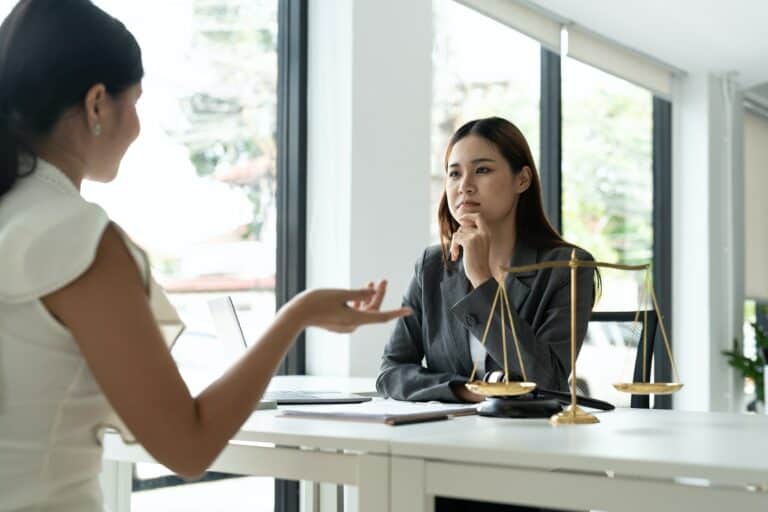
(707, 269)
(756, 206)
(368, 160)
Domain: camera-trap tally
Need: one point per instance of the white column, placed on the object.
(368, 160)
(708, 290)
(116, 479)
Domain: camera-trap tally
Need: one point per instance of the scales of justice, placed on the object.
(506, 390)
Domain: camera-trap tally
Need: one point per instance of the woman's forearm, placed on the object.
(223, 406)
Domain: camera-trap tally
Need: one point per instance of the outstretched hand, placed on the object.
(341, 310)
(373, 303)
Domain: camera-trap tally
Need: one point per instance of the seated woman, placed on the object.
(490, 216)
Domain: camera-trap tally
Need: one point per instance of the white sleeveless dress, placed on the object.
(52, 410)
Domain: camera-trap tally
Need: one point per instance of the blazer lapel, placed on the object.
(453, 288)
(517, 289)
(455, 285)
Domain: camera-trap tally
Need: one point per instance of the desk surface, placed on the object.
(726, 448)
(476, 458)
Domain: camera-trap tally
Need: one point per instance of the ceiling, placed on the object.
(693, 35)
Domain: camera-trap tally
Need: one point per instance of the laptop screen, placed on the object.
(227, 324)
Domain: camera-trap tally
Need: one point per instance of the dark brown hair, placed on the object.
(531, 223)
(51, 53)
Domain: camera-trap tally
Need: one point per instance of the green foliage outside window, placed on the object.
(751, 367)
(230, 125)
(607, 199)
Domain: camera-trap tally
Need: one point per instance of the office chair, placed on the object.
(636, 401)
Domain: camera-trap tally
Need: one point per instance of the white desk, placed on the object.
(633, 460)
(652, 457)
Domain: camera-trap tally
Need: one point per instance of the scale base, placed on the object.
(525, 406)
(573, 415)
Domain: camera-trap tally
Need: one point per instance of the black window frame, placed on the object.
(662, 236)
(291, 165)
(551, 133)
(761, 314)
(550, 168)
(292, 55)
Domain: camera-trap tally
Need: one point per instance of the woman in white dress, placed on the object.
(83, 327)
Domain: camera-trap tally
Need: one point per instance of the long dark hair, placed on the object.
(51, 53)
(531, 223)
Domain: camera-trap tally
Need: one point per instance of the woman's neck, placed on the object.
(68, 163)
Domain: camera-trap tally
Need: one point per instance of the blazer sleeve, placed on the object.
(546, 348)
(402, 375)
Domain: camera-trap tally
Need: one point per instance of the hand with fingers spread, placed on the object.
(474, 239)
(374, 302)
(344, 310)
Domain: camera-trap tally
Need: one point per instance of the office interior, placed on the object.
(298, 143)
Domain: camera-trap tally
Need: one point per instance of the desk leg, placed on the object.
(309, 496)
(320, 497)
(408, 490)
(116, 485)
(372, 485)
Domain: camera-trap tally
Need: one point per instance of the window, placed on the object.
(752, 313)
(607, 204)
(480, 68)
(197, 188)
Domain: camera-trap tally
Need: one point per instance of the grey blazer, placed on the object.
(430, 349)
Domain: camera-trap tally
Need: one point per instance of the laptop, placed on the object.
(230, 332)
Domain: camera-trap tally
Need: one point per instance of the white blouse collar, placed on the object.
(52, 174)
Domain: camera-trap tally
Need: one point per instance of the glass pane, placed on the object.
(480, 68)
(203, 173)
(749, 347)
(608, 201)
(203, 168)
(755, 314)
(607, 357)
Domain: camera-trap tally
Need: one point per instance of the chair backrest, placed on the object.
(636, 401)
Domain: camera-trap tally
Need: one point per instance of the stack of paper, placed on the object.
(391, 412)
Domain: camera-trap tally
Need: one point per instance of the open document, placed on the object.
(391, 412)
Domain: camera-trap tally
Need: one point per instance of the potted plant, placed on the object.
(752, 368)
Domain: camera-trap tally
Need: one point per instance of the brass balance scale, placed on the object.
(573, 414)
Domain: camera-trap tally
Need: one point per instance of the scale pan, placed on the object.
(500, 388)
(649, 388)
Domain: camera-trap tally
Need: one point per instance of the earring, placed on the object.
(97, 130)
